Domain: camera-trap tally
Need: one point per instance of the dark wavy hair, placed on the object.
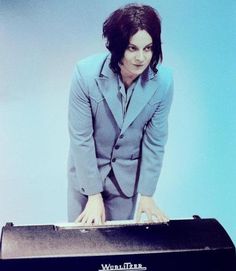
(123, 23)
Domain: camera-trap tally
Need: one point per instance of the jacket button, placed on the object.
(117, 147)
(121, 136)
(113, 160)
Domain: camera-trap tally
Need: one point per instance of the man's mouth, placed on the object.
(139, 65)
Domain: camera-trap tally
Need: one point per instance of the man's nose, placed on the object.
(140, 56)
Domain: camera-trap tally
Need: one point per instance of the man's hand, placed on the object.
(154, 214)
(94, 211)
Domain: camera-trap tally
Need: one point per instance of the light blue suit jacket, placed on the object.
(101, 140)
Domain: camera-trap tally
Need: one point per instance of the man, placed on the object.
(118, 121)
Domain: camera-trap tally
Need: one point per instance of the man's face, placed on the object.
(138, 54)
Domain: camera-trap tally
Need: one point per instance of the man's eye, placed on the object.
(131, 48)
(147, 49)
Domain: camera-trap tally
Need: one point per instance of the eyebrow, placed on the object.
(150, 44)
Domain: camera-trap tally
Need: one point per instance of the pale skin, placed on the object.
(136, 59)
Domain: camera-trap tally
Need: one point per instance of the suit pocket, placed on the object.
(96, 100)
(97, 97)
(156, 99)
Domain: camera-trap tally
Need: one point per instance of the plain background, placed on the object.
(40, 42)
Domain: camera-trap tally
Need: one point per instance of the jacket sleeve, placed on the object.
(82, 145)
(154, 140)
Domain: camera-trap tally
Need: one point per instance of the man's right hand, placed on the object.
(94, 211)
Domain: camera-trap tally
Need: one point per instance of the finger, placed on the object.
(161, 217)
(149, 216)
(98, 221)
(90, 221)
(79, 218)
(165, 218)
(138, 216)
(84, 221)
(103, 217)
(155, 218)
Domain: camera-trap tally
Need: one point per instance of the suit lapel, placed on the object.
(144, 89)
(143, 92)
(107, 83)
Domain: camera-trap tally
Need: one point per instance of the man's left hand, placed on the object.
(148, 206)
